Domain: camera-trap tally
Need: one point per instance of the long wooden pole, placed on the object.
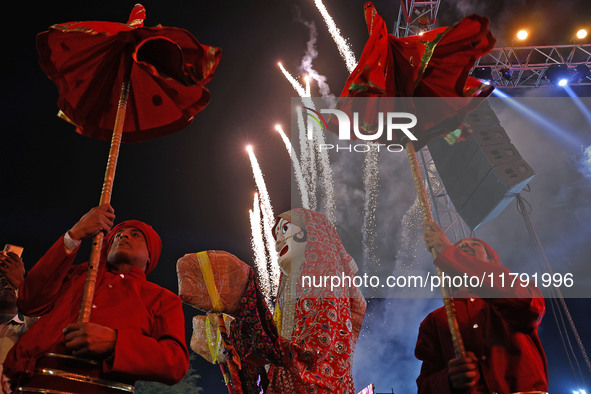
(97, 241)
(450, 309)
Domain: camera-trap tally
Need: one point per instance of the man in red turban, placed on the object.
(136, 328)
(498, 324)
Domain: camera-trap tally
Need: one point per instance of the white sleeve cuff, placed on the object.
(69, 243)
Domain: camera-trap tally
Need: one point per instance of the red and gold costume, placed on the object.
(318, 326)
(310, 346)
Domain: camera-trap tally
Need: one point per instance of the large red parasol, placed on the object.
(155, 74)
(88, 62)
(435, 64)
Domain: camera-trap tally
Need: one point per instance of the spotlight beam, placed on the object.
(561, 132)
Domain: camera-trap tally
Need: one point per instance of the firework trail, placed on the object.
(258, 246)
(411, 237)
(296, 167)
(370, 183)
(326, 178)
(307, 160)
(324, 162)
(586, 162)
(296, 85)
(268, 221)
(343, 47)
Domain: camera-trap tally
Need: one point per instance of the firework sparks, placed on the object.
(586, 162)
(296, 167)
(296, 85)
(268, 221)
(258, 246)
(326, 179)
(342, 45)
(370, 183)
(307, 160)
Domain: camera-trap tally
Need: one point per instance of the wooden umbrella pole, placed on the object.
(450, 309)
(97, 241)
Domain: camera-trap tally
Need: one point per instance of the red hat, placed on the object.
(152, 240)
(492, 255)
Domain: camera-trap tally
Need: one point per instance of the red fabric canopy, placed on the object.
(435, 64)
(88, 60)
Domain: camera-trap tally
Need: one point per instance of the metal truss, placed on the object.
(443, 210)
(415, 17)
(510, 67)
(526, 67)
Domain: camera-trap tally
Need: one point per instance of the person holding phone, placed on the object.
(12, 325)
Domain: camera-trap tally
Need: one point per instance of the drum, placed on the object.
(60, 373)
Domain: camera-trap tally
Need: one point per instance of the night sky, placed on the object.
(195, 186)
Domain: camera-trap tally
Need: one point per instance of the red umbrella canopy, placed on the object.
(88, 61)
(435, 64)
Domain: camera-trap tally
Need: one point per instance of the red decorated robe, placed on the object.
(148, 319)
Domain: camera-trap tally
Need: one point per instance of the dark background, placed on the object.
(195, 186)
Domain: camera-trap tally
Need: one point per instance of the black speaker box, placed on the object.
(495, 192)
(483, 173)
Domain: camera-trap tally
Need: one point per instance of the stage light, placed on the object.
(484, 73)
(558, 74)
(582, 33)
(581, 72)
(522, 34)
(505, 73)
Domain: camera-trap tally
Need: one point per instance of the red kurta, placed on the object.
(148, 319)
(501, 332)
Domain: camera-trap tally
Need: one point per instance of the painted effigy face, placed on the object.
(290, 245)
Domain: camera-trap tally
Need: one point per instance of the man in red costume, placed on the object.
(503, 351)
(136, 328)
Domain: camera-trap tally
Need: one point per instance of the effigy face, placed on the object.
(290, 245)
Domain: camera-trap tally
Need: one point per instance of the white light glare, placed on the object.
(563, 82)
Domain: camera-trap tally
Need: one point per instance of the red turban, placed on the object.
(152, 240)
